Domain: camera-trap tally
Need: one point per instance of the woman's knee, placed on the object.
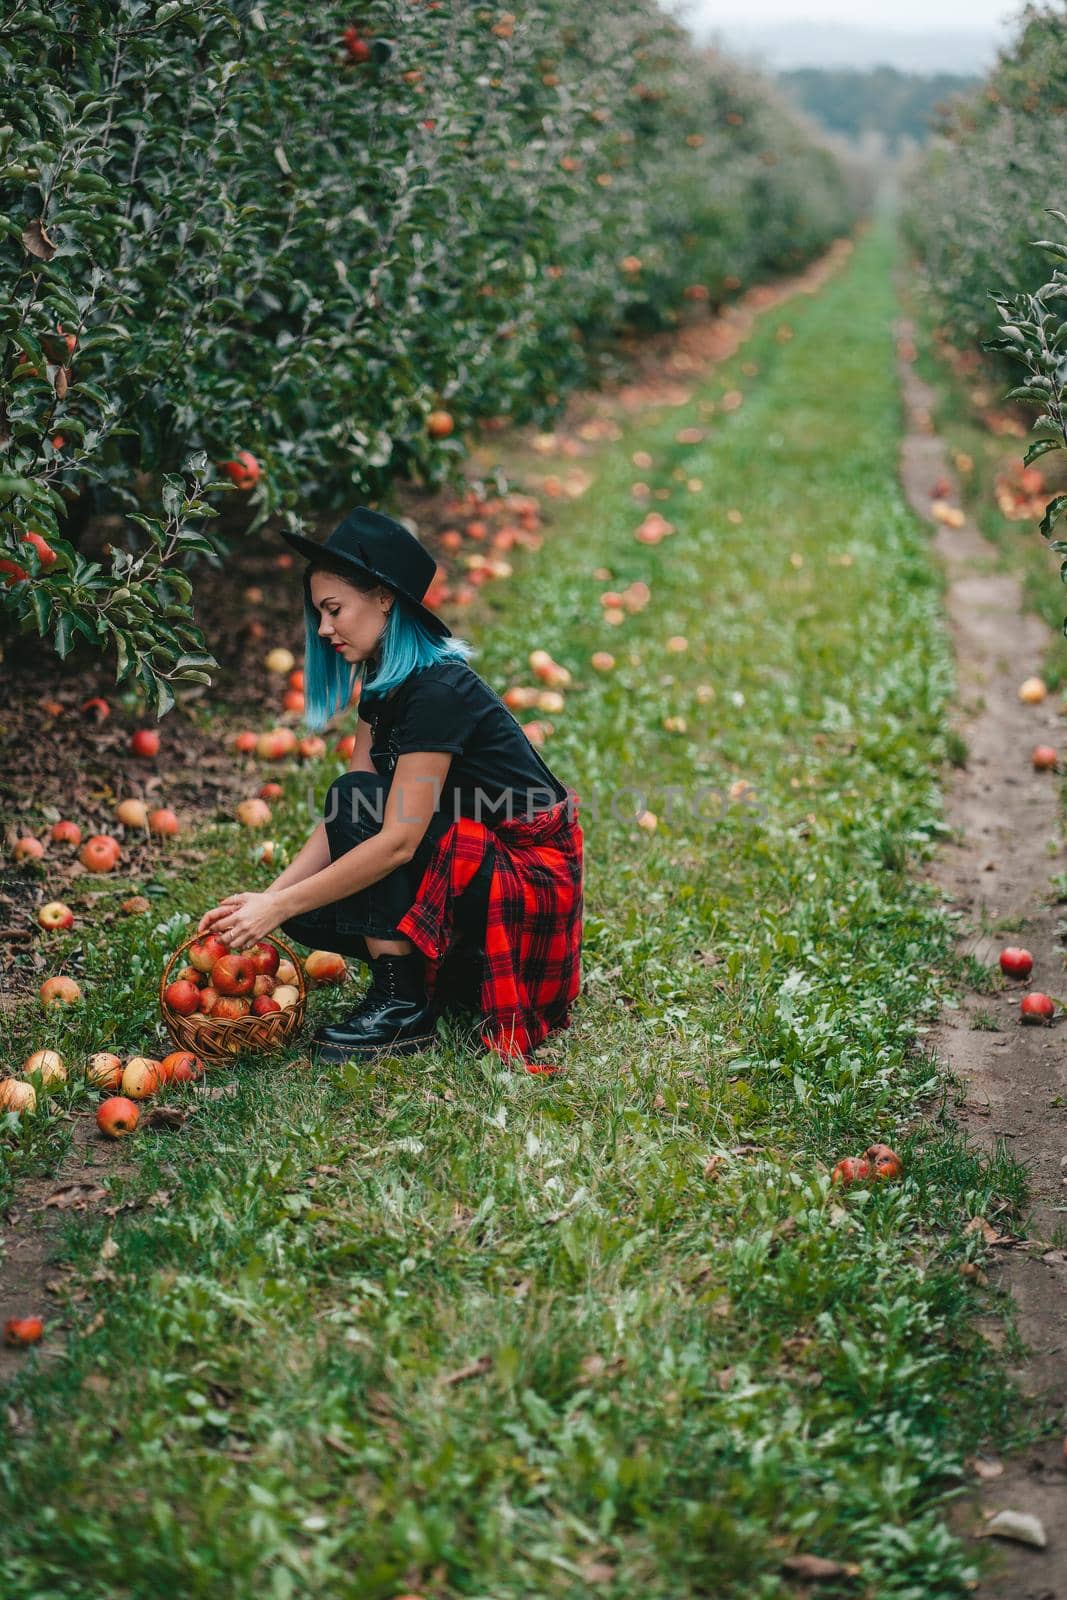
(357, 800)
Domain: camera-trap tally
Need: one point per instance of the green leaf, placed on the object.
(1040, 447)
(1053, 511)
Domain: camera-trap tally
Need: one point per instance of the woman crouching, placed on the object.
(449, 857)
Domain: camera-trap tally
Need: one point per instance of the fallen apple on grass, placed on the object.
(275, 744)
(49, 1064)
(1016, 962)
(271, 791)
(279, 660)
(117, 1116)
(141, 1077)
(27, 848)
(181, 1066)
(1044, 758)
(253, 814)
(17, 1095)
(100, 853)
(136, 905)
(132, 813)
(244, 743)
(55, 915)
(66, 833)
(325, 966)
(21, 1331)
(163, 822)
(1032, 691)
(59, 991)
(103, 1070)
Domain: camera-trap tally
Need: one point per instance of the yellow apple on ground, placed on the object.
(1032, 691)
(49, 1063)
(279, 660)
(253, 814)
(15, 1095)
(648, 820)
(602, 660)
(59, 991)
(103, 1070)
(141, 1077)
(28, 848)
(132, 813)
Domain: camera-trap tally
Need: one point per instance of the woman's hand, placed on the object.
(243, 919)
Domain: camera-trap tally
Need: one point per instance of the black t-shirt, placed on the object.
(494, 767)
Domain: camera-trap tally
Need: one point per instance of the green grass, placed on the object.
(694, 1358)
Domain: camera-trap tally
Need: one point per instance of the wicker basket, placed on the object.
(217, 1039)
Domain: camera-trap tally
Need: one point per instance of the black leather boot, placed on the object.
(395, 1017)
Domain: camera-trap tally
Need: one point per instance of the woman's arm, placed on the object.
(414, 796)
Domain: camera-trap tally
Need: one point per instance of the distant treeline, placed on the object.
(898, 105)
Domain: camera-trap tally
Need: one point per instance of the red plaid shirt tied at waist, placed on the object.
(533, 936)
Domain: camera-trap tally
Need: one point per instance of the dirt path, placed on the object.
(1008, 832)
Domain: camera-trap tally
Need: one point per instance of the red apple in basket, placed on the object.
(231, 1006)
(233, 975)
(203, 953)
(182, 997)
(264, 957)
(264, 1004)
(209, 999)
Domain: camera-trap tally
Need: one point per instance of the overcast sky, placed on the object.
(922, 16)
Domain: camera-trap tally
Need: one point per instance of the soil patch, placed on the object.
(1007, 833)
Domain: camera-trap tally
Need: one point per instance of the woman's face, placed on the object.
(349, 620)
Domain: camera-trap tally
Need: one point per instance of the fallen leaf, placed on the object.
(1055, 1258)
(109, 1249)
(37, 241)
(989, 1233)
(159, 1199)
(814, 1569)
(1019, 1526)
(75, 1194)
(725, 1378)
(217, 1091)
(474, 1369)
(597, 1572)
(168, 1117)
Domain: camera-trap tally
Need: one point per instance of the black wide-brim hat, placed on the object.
(384, 548)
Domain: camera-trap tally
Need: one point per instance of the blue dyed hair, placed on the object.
(330, 681)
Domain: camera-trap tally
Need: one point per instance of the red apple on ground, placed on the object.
(59, 991)
(1016, 962)
(182, 997)
(141, 1077)
(163, 822)
(16, 1095)
(181, 1066)
(312, 748)
(233, 975)
(271, 791)
(1036, 1007)
(203, 953)
(136, 904)
(325, 966)
(117, 1116)
(23, 1330)
(99, 853)
(245, 742)
(346, 746)
(28, 848)
(883, 1162)
(66, 833)
(145, 742)
(851, 1170)
(97, 708)
(103, 1070)
(296, 679)
(1044, 758)
(292, 700)
(55, 915)
(49, 1063)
